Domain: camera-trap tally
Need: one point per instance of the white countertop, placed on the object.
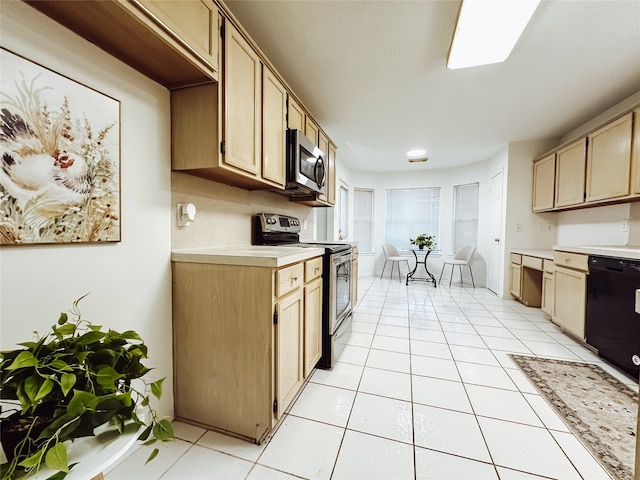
(547, 254)
(618, 251)
(247, 255)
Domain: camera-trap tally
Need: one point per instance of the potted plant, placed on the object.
(69, 382)
(424, 240)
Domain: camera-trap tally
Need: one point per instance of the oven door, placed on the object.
(340, 289)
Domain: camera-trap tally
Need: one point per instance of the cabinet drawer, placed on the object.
(547, 266)
(516, 258)
(312, 269)
(571, 260)
(532, 262)
(288, 279)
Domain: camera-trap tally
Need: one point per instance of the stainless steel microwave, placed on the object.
(305, 166)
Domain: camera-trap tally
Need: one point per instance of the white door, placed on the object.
(494, 268)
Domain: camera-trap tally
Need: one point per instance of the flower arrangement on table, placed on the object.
(424, 240)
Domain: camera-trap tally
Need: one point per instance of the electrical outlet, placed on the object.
(625, 225)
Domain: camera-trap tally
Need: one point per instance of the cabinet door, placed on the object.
(288, 370)
(547, 293)
(570, 299)
(243, 119)
(635, 162)
(570, 174)
(544, 174)
(274, 112)
(516, 280)
(323, 144)
(193, 23)
(609, 160)
(296, 118)
(311, 131)
(312, 325)
(331, 174)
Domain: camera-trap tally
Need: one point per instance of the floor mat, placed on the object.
(599, 409)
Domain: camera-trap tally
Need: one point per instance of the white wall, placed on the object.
(594, 226)
(372, 263)
(524, 229)
(129, 282)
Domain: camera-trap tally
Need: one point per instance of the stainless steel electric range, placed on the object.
(274, 229)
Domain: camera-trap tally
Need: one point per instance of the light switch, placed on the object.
(638, 301)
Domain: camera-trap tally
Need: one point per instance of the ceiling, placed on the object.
(373, 74)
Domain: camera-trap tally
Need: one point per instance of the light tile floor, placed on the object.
(424, 390)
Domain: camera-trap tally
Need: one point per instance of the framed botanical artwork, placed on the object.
(59, 158)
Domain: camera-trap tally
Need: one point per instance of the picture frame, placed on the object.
(59, 158)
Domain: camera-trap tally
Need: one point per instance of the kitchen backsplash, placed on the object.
(224, 212)
(596, 226)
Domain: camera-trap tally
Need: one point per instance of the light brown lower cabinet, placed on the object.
(238, 345)
(547, 286)
(526, 279)
(570, 292)
(312, 314)
(516, 275)
(547, 293)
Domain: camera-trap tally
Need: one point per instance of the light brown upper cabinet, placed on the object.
(217, 129)
(544, 174)
(296, 118)
(175, 43)
(609, 160)
(311, 130)
(570, 174)
(242, 103)
(331, 174)
(274, 128)
(323, 144)
(192, 24)
(635, 161)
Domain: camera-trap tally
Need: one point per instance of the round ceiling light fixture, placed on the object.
(417, 155)
(419, 152)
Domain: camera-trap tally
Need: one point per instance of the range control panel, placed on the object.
(273, 222)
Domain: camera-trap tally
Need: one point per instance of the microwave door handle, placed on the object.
(319, 166)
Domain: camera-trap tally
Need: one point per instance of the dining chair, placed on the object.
(392, 255)
(462, 257)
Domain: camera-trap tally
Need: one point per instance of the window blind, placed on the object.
(465, 215)
(410, 212)
(363, 219)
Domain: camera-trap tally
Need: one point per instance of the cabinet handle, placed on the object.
(294, 279)
(315, 270)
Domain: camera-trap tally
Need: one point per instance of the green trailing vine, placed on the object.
(77, 378)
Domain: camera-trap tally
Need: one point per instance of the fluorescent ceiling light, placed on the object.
(487, 31)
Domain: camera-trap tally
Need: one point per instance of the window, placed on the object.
(409, 212)
(343, 206)
(465, 215)
(363, 219)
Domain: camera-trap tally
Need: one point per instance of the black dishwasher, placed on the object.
(612, 324)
